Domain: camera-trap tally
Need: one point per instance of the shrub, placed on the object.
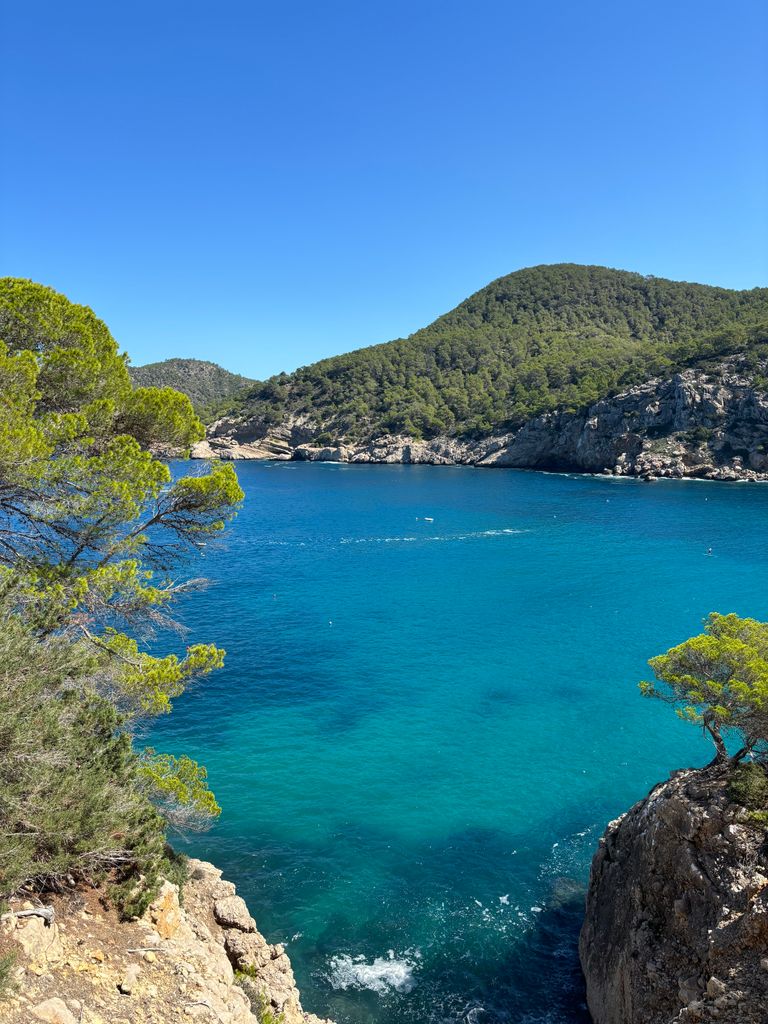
(6, 974)
(69, 800)
(247, 977)
(748, 786)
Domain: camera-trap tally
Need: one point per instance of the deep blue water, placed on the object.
(424, 726)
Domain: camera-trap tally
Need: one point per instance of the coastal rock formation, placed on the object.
(693, 424)
(676, 927)
(177, 963)
(233, 438)
(710, 425)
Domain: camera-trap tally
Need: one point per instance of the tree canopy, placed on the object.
(92, 522)
(719, 681)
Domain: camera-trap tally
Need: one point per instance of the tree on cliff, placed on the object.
(719, 680)
(92, 522)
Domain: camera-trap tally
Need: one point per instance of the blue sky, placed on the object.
(264, 184)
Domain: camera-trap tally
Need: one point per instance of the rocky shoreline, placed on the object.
(676, 926)
(696, 424)
(194, 955)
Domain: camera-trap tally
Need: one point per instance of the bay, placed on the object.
(430, 711)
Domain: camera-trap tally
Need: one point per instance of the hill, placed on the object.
(544, 338)
(207, 384)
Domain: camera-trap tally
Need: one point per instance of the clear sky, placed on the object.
(264, 184)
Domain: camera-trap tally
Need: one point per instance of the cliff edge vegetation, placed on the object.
(92, 526)
(676, 926)
(94, 529)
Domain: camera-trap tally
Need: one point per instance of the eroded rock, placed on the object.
(710, 424)
(676, 925)
(165, 911)
(232, 912)
(53, 1011)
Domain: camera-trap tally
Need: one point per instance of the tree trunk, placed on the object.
(722, 751)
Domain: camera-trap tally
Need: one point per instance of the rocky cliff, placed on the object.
(201, 958)
(676, 927)
(706, 424)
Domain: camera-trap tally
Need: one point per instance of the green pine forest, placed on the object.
(206, 384)
(549, 337)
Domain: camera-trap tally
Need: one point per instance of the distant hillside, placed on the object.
(207, 384)
(560, 336)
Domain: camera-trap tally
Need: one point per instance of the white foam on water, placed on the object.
(439, 538)
(384, 974)
(473, 1016)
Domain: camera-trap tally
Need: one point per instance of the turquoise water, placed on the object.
(424, 726)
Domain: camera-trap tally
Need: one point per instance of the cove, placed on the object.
(430, 710)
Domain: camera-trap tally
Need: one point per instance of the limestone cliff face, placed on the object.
(693, 424)
(175, 964)
(676, 927)
(711, 425)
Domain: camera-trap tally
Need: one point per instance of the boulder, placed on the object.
(165, 912)
(53, 1011)
(40, 941)
(232, 912)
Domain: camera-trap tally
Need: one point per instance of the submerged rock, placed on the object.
(676, 926)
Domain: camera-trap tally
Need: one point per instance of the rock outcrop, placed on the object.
(692, 425)
(710, 425)
(233, 438)
(676, 927)
(202, 958)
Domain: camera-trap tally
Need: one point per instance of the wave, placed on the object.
(382, 975)
(409, 539)
(472, 535)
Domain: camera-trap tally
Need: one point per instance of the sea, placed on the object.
(430, 711)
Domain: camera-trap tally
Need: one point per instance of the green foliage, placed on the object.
(548, 337)
(91, 513)
(148, 683)
(179, 787)
(208, 385)
(77, 358)
(719, 680)
(247, 977)
(246, 971)
(70, 804)
(7, 964)
(699, 435)
(92, 522)
(150, 412)
(748, 786)
(268, 1016)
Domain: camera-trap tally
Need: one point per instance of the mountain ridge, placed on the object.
(553, 336)
(523, 365)
(207, 384)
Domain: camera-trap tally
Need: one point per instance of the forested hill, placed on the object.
(546, 337)
(207, 384)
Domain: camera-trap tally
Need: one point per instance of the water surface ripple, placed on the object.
(430, 711)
